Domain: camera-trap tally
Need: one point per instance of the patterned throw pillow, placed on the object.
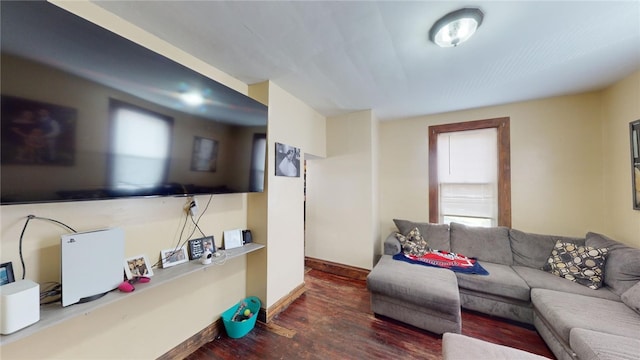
(413, 243)
(581, 264)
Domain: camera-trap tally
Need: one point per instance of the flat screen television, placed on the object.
(87, 115)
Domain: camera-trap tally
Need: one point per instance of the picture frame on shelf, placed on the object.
(6, 273)
(198, 246)
(232, 239)
(172, 257)
(137, 266)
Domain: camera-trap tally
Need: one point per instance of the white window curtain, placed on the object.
(468, 177)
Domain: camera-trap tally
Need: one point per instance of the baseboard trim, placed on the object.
(337, 269)
(193, 343)
(266, 315)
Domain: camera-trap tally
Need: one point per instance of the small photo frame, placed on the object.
(198, 246)
(171, 257)
(232, 239)
(137, 266)
(6, 273)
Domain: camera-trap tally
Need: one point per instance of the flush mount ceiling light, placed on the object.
(456, 27)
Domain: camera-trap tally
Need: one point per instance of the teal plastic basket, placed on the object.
(238, 329)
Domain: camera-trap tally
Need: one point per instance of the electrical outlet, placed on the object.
(191, 207)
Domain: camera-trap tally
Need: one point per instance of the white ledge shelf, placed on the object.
(54, 314)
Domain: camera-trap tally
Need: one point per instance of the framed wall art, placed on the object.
(634, 132)
(287, 160)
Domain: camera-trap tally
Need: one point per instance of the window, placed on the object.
(469, 173)
(140, 147)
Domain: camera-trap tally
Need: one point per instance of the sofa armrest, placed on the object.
(392, 245)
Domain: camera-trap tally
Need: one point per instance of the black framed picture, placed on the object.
(287, 160)
(6, 273)
(634, 131)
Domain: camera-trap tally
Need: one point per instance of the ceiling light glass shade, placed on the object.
(456, 27)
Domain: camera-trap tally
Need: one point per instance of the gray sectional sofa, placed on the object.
(575, 321)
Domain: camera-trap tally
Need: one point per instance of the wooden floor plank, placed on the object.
(333, 320)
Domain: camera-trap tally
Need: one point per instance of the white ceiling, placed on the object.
(342, 56)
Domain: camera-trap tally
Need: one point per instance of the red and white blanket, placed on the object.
(446, 260)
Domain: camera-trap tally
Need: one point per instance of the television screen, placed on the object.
(86, 114)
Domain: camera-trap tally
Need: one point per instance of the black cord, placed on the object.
(182, 243)
(55, 221)
(198, 227)
(29, 218)
(198, 221)
(184, 225)
(53, 290)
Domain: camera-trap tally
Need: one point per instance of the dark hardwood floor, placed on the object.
(333, 320)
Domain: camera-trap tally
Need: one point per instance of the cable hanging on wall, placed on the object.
(26, 223)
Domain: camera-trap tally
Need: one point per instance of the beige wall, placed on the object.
(556, 157)
(621, 105)
(137, 327)
(570, 168)
(293, 123)
(342, 193)
(150, 225)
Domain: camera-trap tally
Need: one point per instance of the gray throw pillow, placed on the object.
(436, 234)
(622, 270)
(532, 250)
(486, 244)
(631, 297)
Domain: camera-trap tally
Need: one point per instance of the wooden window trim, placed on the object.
(504, 164)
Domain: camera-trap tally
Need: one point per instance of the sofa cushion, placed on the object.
(533, 250)
(461, 347)
(582, 264)
(433, 288)
(543, 280)
(622, 270)
(501, 281)
(486, 244)
(413, 243)
(631, 297)
(565, 311)
(392, 245)
(437, 235)
(594, 345)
